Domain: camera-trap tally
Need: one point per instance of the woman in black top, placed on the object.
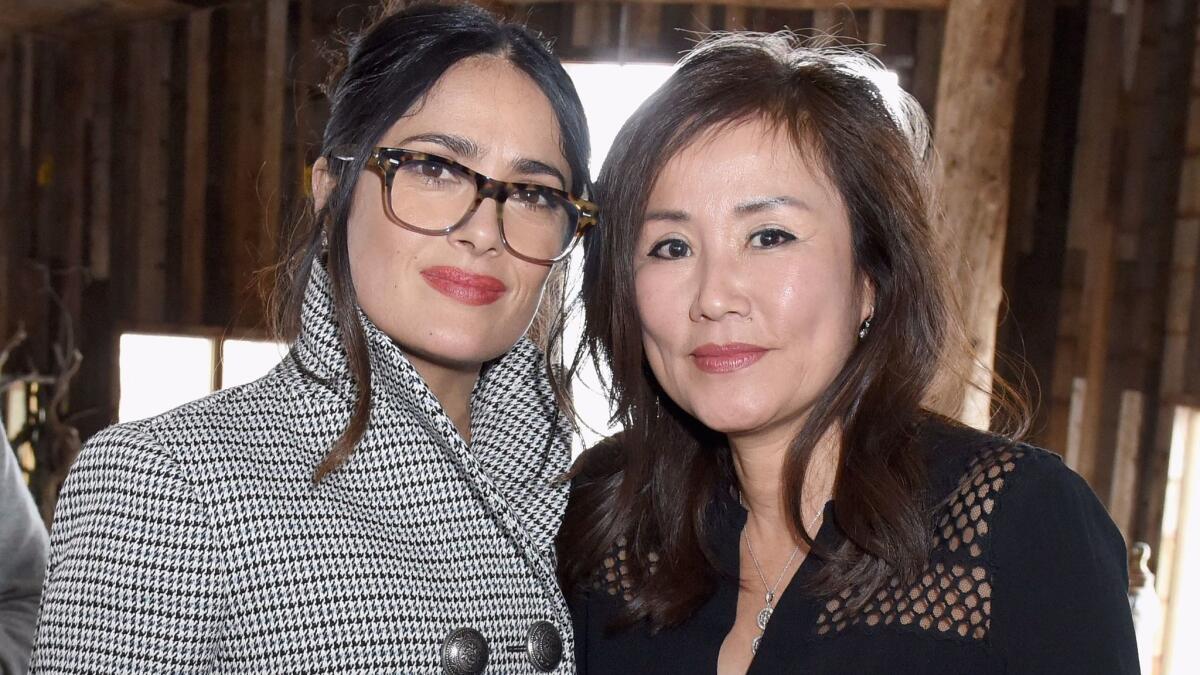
(783, 498)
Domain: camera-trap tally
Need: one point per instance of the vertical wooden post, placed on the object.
(195, 152)
(1082, 345)
(101, 170)
(274, 83)
(8, 82)
(975, 113)
(151, 46)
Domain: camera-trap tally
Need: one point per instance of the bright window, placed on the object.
(244, 361)
(610, 93)
(160, 372)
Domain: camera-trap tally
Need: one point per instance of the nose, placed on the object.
(720, 291)
(481, 233)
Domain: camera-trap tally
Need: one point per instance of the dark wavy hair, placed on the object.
(389, 67)
(653, 485)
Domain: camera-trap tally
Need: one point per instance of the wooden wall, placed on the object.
(1100, 145)
(150, 167)
(154, 163)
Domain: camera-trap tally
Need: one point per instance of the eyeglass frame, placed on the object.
(386, 160)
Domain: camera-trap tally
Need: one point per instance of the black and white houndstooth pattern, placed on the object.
(196, 542)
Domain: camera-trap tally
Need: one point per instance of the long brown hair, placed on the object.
(654, 484)
(388, 69)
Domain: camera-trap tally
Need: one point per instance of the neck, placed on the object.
(759, 460)
(452, 386)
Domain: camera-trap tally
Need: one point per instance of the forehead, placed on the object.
(492, 102)
(731, 162)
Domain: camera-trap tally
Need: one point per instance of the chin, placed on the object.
(727, 419)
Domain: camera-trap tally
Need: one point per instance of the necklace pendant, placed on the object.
(764, 615)
(754, 645)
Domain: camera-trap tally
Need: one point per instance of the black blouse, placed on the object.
(1028, 575)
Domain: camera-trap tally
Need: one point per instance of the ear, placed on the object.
(868, 300)
(322, 182)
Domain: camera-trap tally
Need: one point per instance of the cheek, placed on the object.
(658, 296)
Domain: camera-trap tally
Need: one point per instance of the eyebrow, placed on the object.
(468, 149)
(459, 145)
(533, 167)
(759, 204)
(673, 216)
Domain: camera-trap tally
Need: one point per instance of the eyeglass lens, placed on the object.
(431, 195)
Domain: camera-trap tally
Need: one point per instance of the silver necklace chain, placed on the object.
(764, 614)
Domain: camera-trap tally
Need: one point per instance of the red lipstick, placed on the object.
(463, 286)
(727, 358)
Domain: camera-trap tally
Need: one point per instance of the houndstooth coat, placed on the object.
(196, 541)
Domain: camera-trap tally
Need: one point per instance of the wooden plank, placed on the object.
(876, 25)
(801, 4)
(1090, 230)
(195, 180)
(976, 111)
(927, 61)
(1122, 496)
(1174, 30)
(736, 17)
(242, 210)
(8, 82)
(151, 48)
(274, 89)
(79, 82)
(100, 141)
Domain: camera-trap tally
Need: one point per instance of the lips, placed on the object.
(463, 286)
(727, 358)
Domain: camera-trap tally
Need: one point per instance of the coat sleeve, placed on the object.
(134, 582)
(22, 564)
(1061, 597)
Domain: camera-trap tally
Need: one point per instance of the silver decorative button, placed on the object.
(465, 652)
(544, 646)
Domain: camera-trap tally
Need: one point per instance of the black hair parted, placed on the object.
(388, 69)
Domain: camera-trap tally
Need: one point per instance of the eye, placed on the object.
(531, 198)
(670, 249)
(771, 238)
(429, 173)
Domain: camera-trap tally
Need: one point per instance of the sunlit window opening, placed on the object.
(161, 372)
(244, 361)
(1179, 551)
(610, 93)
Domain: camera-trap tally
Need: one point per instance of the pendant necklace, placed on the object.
(764, 614)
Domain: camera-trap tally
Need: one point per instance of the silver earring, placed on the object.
(865, 327)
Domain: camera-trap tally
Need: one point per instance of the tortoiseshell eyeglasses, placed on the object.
(433, 195)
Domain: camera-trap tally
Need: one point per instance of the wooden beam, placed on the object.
(8, 82)
(801, 4)
(151, 48)
(1122, 495)
(1090, 231)
(99, 227)
(976, 109)
(274, 88)
(195, 180)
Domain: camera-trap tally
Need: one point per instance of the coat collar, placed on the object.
(520, 443)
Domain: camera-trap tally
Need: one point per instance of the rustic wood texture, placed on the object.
(154, 197)
(975, 116)
(195, 178)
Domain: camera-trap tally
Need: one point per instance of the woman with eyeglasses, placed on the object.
(767, 289)
(385, 499)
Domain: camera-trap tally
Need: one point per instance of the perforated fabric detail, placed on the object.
(613, 577)
(953, 596)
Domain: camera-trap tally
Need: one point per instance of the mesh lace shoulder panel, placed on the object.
(613, 577)
(953, 597)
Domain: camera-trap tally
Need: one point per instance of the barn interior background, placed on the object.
(154, 149)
